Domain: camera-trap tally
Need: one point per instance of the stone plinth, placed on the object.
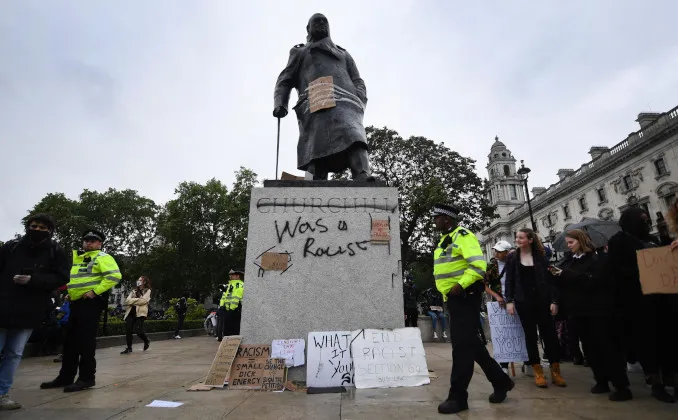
(336, 278)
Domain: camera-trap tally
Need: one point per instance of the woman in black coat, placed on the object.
(531, 293)
(647, 318)
(585, 285)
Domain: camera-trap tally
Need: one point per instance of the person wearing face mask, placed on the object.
(93, 274)
(647, 319)
(585, 284)
(137, 311)
(31, 268)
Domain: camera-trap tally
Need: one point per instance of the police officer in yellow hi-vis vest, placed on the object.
(233, 302)
(93, 274)
(230, 305)
(459, 268)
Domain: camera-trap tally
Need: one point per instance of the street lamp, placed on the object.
(524, 174)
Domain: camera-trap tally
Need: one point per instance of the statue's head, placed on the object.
(318, 28)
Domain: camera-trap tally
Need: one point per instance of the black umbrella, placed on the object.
(600, 232)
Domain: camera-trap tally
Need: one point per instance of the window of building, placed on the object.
(602, 197)
(645, 207)
(118, 298)
(507, 170)
(549, 220)
(583, 206)
(660, 167)
(628, 183)
(514, 192)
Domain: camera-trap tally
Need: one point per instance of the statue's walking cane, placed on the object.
(277, 151)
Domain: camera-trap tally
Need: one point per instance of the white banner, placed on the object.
(389, 358)
(329, 361)
(508, 337)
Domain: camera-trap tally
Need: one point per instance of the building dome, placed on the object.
(497, 144)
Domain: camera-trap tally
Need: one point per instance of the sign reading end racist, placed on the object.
(658, 269)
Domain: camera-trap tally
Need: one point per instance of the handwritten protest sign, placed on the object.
(329, 361)
(389, 358)
(658, 269)
(258, 373)
(508, 337)
(274, 261)
(321, 94)
(221, 366)
(253, 368)
(381, 233)
(290, 350)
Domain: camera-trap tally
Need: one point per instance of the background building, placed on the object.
(641, 170)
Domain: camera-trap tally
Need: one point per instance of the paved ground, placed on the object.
(125, 384)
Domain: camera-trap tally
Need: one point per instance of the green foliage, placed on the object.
(195, 310)
(117, 327)
(187, 245)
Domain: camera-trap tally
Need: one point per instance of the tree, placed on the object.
(425, 173)
(127, 219)
(204, 232)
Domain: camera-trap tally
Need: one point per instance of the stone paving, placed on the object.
(125, 384)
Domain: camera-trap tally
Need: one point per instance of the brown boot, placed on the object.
(556, 378)
(539, 378)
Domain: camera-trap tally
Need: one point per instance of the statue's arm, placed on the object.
(358, 82)
(286, 81)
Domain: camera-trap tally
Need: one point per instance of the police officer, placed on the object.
(234, 302)
(93, 274)
(459, 269)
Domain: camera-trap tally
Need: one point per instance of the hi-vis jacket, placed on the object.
(93, 270)
(458, 259)
(233, 295)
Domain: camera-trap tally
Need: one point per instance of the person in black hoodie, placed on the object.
(585, 285)
(647, 319)
(31, 268)
(532, 294)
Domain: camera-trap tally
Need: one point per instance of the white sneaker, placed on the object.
(7, 404)
(177, 337)
(444, 334)
(435, 335)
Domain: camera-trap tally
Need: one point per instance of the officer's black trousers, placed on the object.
(232, 322)
(81, 340)
(467, 347)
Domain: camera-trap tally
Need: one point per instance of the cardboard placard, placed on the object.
(658, 269)
(255, 373)
(508, 337)
(221, 366)
(273, 261)
(321, 94)
(381, 232)
(389, 358)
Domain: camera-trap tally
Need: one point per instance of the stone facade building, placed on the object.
(640, 170)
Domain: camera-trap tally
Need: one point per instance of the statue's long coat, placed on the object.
(324, 134)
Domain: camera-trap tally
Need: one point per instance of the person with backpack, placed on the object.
(181, 307)
(31, 268)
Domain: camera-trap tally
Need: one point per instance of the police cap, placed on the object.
(94, 234)
(445, 210)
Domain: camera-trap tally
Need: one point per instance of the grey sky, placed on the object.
(146, 94)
